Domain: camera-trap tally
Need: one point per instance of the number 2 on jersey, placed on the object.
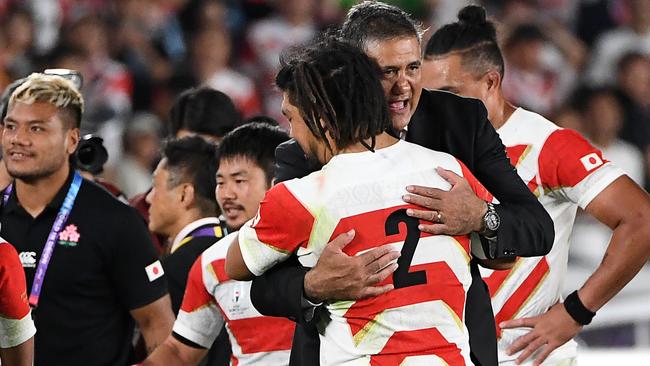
(402, 277)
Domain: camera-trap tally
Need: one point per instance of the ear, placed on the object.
(72, 140)
(187, 195)
(493, 80)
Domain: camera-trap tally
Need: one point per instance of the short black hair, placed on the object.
(254, 141)
(192, 159)
(377, 21)
(203, 110)
(473, 37)
(336, 88)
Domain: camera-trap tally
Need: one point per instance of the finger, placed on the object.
(382, 262)
(519, 323)
(382, 275)
(522, 342)
(426, 215)
(449, 176)
(543, 355)
(423, 201)
(375, 254)
(374, 291)
(436, 229)
(342, 240)
(425, 191)
(532, 347)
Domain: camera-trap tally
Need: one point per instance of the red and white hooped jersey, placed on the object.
(421, 322)
(16, 325)
(565, 172)
(212, 298)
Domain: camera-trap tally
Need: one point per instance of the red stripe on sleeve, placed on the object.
(196, 296)
(283, 222)
(13, 291)
(567, 158)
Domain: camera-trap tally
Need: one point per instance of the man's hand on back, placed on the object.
(459, 209)
(338, 276)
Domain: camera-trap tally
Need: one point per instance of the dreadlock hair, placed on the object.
(473, 37)
(376, 21)
(336, 88)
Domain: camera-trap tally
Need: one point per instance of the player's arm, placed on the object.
(20, 355)
(16, 326)
(235, 266)
(281, 225)
(526, 229)
(155, 321)
(625, 208)
(174, 353)
(138, 278)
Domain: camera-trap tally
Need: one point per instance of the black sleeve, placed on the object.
(132, 255)
(526, 229)
(278, 292)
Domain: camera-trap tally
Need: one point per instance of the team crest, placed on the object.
(69, 237)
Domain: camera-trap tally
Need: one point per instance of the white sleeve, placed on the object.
(13, 332)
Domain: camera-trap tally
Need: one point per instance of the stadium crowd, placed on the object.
(189, 108)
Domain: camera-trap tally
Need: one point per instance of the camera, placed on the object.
(91, 155)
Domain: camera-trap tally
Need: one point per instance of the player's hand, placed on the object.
(550, 330)
(459, 209)
(338, 276)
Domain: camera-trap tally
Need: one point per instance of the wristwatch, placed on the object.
(491, 222)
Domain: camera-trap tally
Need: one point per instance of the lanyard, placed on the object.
(205, 231)
(48, 250)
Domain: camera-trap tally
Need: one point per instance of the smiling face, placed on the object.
(241, 186)
(400, 60)
(36, 142)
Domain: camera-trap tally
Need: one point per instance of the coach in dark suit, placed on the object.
(440, 121)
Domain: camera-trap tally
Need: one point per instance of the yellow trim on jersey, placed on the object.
(532, 294)
(459, 322)
(462, 250)
(512, 270)
(358, 338)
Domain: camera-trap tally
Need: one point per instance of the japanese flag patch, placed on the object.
(591, 161)
(154, 271)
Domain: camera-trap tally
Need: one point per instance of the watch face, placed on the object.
(492, 221)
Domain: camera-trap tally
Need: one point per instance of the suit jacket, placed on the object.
(444, 122)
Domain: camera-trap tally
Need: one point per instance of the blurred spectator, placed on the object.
(107, 88)
(211, 51)
(633, 82)
(18, 37)
(610, 46)
(293, 24)
(568, 116)
(539, 78)
(141, 145)
(604, 119)
(205, 112)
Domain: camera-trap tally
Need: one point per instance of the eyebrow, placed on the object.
(30, 122)
(235, 174)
